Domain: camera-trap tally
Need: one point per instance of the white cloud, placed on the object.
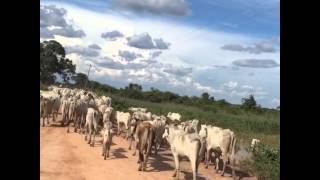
(230, 85)
(171, 7)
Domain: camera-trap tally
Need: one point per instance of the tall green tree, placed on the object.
(249, 102)
(53, 62)
(205, 96)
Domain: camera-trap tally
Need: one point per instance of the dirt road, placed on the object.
(67, 156)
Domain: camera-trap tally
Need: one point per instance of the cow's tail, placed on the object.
(233, 144)
(143, 141)
(150, 140)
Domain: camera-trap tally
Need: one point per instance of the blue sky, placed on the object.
(229, 48)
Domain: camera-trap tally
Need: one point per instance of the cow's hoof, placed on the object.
(68, 131)
(129, 148)
(222, 175)
(206, 167)
(133, 154)
(91, 145)
(107, 155)
(104, 158)
(139, 169)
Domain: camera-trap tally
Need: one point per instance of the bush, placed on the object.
(43, 87)
(266, 165)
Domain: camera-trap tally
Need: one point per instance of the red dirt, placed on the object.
(67, 156)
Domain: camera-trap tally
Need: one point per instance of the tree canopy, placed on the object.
(53, 62)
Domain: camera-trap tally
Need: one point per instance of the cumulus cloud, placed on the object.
(275, 101)
(129, 56)
(169, 7)
(83, 51)
(94, 46)
(45, 33)
(258, 48)
(144, 41)
(179, 71)
(230, 85)
(53, 22)
(160, 44)
(155, 54)
(107, 62)
(256, 63)
(112, 35)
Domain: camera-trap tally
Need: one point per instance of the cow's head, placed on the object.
(203, 131)
(166, 132)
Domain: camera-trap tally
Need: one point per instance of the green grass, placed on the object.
(246, 125)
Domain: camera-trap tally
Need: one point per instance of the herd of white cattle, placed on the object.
(92, 115)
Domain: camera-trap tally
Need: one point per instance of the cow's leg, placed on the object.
(86, 133)
(53, 118)
(75, 124)
(177, 169)
(194, 167)
(140, 161)
(118, 129)
(224, 165)
(62, 122)
(108, 149)
(217, 163)
(48, 120)
(94, 135)
(131, 139)
(207, 158)
(90, 133)
(136, 146)
(103, 149)
(43, 121)
(68, 123)
(233, 173)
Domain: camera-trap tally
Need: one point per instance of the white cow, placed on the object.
(107, 114)
(91, 126)
(133, 109)
(174, 116)
(159, 124)
(184, 144)
(254, 142)
(221, 141)
(123, 118)
(192, 126)
(71, 113)
(107, 139)
(142, 116)
(64, 111)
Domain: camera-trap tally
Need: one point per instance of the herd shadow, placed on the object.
(157, 163)
(118, 153)
(189, 175)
